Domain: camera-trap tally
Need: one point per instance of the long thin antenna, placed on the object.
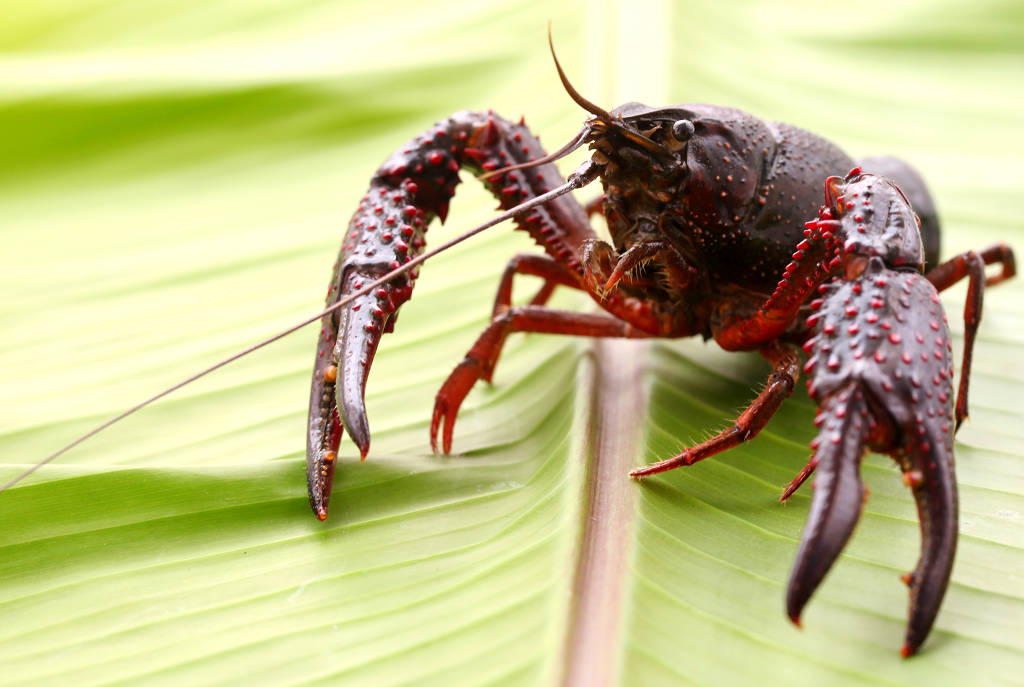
(569, 147)
(573, 93)
(586, 173)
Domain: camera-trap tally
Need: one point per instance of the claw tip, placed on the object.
(907, 651)
(321, 513)
(796, 621)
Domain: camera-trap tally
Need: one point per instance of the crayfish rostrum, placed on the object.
(717, 229)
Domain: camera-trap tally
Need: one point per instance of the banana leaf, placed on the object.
(174, 182)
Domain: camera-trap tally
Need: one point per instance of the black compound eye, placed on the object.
(682, 130)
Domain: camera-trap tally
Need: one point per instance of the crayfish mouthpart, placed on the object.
(636, 256)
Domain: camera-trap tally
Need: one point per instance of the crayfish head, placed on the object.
(640, 143)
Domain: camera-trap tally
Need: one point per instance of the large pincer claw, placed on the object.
(880, 370)
(409, 190)
(385, 232)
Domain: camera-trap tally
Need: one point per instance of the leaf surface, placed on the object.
(174, 182)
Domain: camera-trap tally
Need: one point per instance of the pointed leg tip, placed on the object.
(795, 619)
(661, 466)
(447, 434)
(321, 513)
(907, 651)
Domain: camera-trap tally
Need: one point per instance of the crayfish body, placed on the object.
(707, 209)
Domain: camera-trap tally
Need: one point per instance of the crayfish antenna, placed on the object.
(571, 90)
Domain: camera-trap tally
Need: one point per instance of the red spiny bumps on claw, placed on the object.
(331, 374)
(889, 358)
(908, 419)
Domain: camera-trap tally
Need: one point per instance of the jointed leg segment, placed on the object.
(971, 265)
(786, 364)
(479, 362)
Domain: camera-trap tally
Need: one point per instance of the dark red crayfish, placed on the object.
(707, 210)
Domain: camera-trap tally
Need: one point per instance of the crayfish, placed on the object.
(717, 229)
(707, 208)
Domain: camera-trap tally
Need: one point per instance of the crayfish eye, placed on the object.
(682, 130)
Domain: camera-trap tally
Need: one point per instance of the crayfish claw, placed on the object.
(888, 388)
(348, 342)
(935, 494)
(360, 329)
(838, 496)
(324, 428)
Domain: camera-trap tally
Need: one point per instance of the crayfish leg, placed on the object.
(971, 265)
(799, 480)
(785, 372)
(479, 361)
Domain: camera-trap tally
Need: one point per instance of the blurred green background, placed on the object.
(175, 178)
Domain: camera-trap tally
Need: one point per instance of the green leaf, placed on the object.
(174, 182)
